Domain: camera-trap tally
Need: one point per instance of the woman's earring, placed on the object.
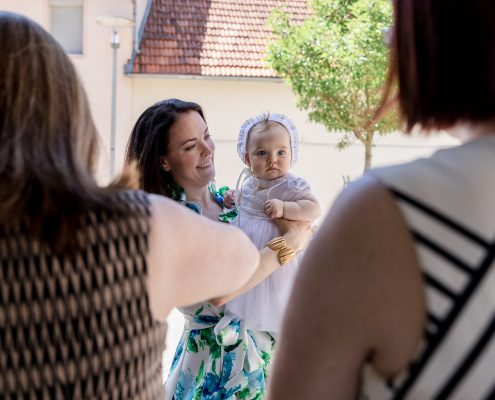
(165, 166)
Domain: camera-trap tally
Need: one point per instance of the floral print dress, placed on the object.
(217, 357)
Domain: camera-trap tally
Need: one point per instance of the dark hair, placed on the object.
(149, 141)
(48, 141)
(443, 58)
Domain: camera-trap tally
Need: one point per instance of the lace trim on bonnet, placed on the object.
(281, 119)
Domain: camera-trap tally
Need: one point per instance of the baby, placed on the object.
(268, 145)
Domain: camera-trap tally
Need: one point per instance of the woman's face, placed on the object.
(189, 158)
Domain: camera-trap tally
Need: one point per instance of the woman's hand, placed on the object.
(228, 198)
(296, 233)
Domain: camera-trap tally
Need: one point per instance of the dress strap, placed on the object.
(245, 173)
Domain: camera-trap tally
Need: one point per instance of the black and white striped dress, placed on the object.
(448, 203)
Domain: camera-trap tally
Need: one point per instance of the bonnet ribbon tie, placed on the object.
(245, 173)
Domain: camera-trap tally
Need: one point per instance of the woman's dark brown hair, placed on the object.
(443, 59)
(48, 141)
(149, 142)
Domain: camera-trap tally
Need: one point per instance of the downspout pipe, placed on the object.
(138, 35)
(135, 28)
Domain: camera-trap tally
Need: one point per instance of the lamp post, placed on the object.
(116, 23)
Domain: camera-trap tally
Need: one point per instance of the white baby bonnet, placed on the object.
(281, 119)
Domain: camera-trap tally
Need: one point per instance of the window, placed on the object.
(66, 24)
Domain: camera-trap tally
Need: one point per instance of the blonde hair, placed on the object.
(265, 125)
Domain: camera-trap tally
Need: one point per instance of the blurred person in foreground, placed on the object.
(396, 295)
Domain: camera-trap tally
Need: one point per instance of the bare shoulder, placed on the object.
(362, 194)
(169, 217)
(358, 298)
(161, 205)
(365, 253)
(367, 209)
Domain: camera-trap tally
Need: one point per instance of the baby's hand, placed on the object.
(228, 198)
(274, 208)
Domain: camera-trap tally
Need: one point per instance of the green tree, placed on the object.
(336, 63)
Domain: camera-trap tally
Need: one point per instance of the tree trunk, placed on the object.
(368, 147)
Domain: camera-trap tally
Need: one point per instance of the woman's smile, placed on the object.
(206, 163)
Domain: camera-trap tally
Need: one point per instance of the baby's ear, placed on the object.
(248, 162)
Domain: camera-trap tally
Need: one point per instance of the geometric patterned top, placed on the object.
(447, 202)
(79, 325)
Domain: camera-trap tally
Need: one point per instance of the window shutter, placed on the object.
(66, 24)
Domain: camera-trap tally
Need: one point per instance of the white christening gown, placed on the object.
(262, 308)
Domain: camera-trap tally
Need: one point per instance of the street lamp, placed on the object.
(116, 23)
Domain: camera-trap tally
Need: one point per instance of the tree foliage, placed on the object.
(336, 63)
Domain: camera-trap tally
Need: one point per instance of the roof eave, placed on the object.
(204, 77)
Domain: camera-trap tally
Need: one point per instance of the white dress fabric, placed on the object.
(448, 203)
(262, 307)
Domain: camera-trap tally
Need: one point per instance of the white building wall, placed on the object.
(34, 9)
(228, 102)
(94, 66)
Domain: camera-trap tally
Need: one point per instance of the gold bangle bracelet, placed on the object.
(284, 253)
(277, 243)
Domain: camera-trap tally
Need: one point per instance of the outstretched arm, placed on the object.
(296, 234)
(358, 297)
(192, 258)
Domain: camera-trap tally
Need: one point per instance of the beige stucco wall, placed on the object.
(95, 64)
(228, 102)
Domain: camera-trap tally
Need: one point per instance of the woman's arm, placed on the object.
(305, 209)
(296, 234)
(358, 297)
(192, 258)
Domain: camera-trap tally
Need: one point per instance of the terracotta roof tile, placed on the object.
(210, 37)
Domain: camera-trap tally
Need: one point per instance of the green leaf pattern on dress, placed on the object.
(217, 357)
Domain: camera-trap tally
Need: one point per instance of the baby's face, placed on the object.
(269, 152)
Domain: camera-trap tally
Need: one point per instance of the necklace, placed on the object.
(227, 215)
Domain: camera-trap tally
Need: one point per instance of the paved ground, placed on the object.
(175, 323)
